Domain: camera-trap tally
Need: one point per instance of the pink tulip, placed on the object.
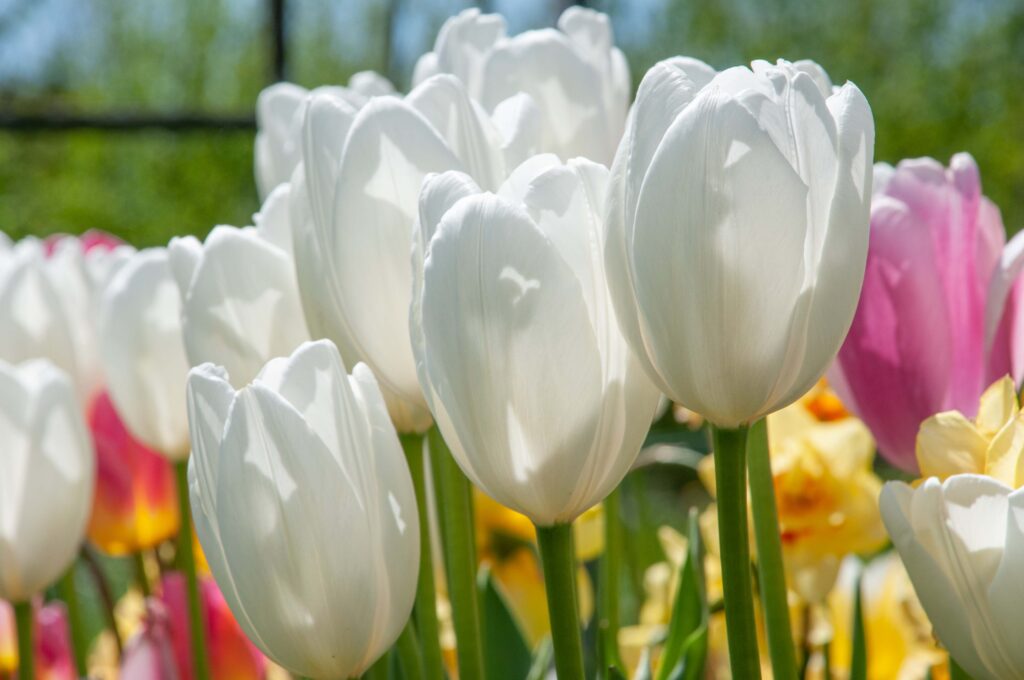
(930, 331)
(94, 238)
(149, 655)
(54, 659)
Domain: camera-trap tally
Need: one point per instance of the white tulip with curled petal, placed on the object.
(47, 482)
(279, 114)
(240, 299)
(962, 542)
(577, 77)
(305, 509)
(354, 203)
(142, 352)
(49, 302)
(737, 231)
(530, 381)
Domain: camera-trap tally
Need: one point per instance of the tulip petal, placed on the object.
(741, 219)
(328, 121)
(521, 125)
(998, 406)
(949, 444)
(273, 222)
(1006, 590)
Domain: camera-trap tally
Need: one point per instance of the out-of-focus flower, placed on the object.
(149, 654)
(899, 640)
(354, 205)
(280, 109)
(576, 75)
(52, 642)
(240, 299)
(305, 509)
(764, 225)
(232, 655)
(49, 297)
(511, 287)
(962, 542)
(825, 489)
(135, 506)
(992, 444)
(507, 544)
(47, 482)
(143, 354)
(927, 335)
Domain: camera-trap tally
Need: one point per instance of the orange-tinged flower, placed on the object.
(54, 660)
(135, 506)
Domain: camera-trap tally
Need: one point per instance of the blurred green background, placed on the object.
(941, 75)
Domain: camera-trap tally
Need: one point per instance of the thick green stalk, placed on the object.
(425, 612)
(140, 574)
(455, 503)
(771, 572)
(731, 482)
(611, 570)
(24, 619)
(187, 563)
(409, 655)
(69, 593)
(558, 558)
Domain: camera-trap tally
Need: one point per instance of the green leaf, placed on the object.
(506, 652)
(859, 657)
(542, 658)
(686, 642)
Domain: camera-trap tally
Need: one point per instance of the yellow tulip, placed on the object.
(992, 444)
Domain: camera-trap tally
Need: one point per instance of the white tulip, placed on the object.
(354, 203)
(143, 354)
(240, 299)
(305, 509)
(49, 302)
(962, 542)
(737, 231)
(47, 481)
(577, 77)
(280, 110)
(530, 381)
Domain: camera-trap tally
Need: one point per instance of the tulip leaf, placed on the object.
(859, 655)
(542, 658)
(686, 642)
(506, 652)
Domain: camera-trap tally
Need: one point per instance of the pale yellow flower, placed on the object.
(992, 444)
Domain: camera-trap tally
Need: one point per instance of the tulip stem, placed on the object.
(425, 613)
(456, 508)
(24, 621)
(558, 558)
(771, 571)
(409, 655)
(140, 573)
(187, 564)
(731, 482)
(611, 570)
(69, 593)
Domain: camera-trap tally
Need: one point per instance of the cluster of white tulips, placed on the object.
(490, 281)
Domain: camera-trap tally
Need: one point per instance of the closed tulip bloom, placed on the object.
(529, 379)
(46, 487)
(927, 336)
(52, 642)
(962, 542)
(737, 231)
(354, 205)
(143, 354)
(577, 77)
(280, 109)
(305, 509)
(240, 299)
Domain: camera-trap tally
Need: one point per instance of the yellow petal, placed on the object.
(949, 444)
(588, 534)
(792, 421)
(706, 473)
(1003, 459)
(674, 545)
(998, 407)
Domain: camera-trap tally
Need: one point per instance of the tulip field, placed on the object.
(529, 370)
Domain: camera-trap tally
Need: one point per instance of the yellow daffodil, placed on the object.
(992, 444)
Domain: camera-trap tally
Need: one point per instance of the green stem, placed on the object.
(731, 482)
(380, 670)
(456, 507)
(106, 595)
(409, 655)
(611, 570)
(558, 558)
(69, 593)
(956, 672)
(187, 564)
(771, 570)
(859, 652)
(24, 620)
(140, 574)
(425, 612)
